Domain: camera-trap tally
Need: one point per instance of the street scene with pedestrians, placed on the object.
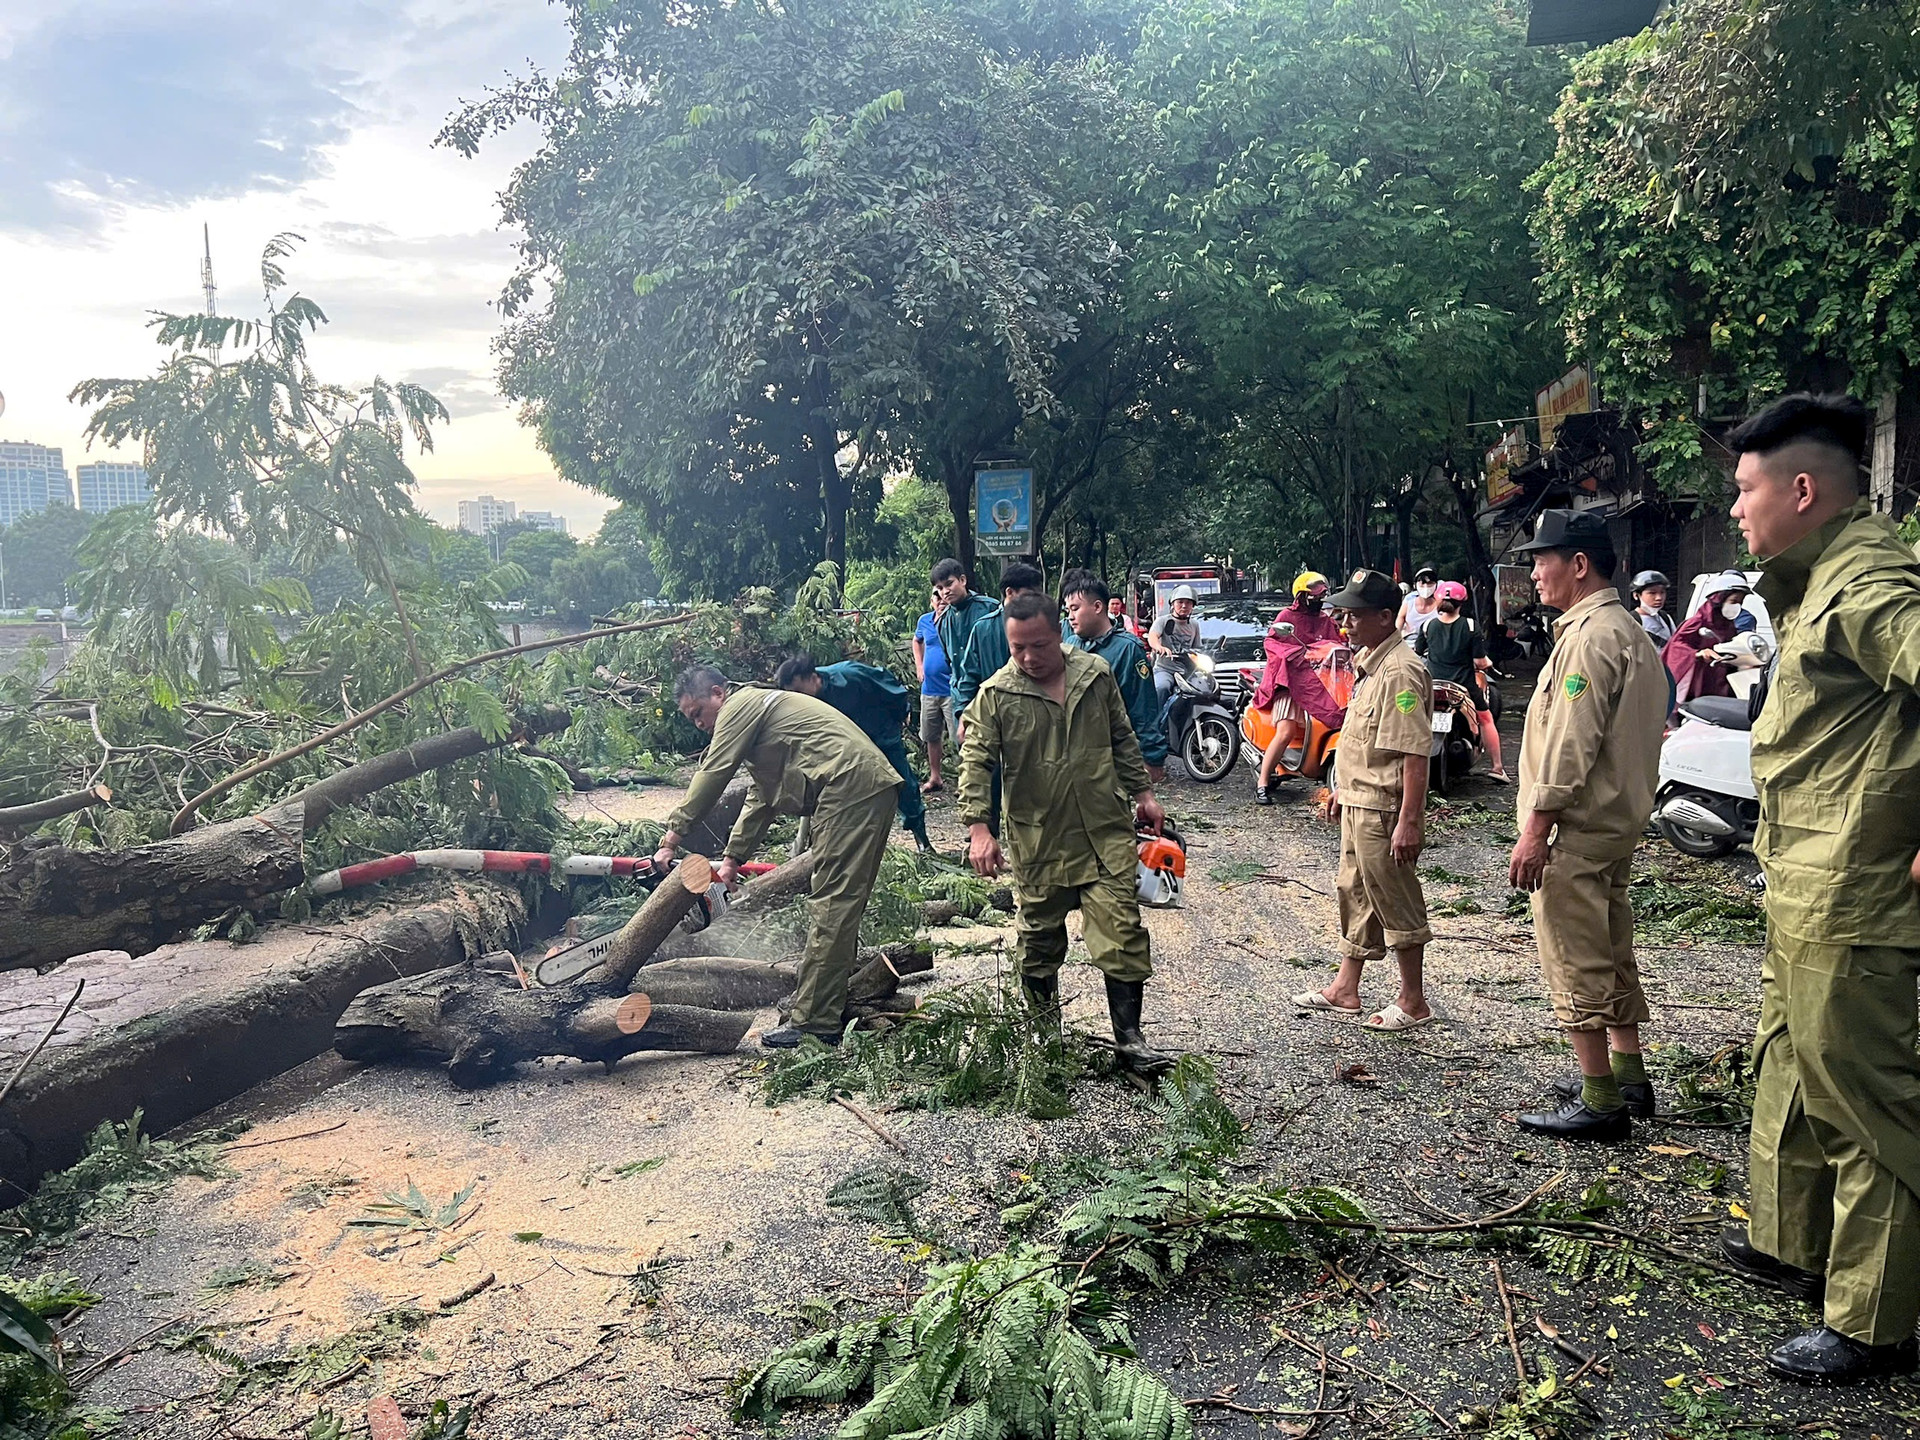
(1236, 746)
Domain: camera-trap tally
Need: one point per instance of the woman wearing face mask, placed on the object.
(1289, 687)
(1456, 651)
(1689, 656)
(1423, 604)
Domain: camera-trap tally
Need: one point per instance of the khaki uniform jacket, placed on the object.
(1592, 746)
(1070, 774)
(800, 753)
(1836, 748)
(1390, 718)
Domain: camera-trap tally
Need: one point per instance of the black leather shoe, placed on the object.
(1043, 994)
(1763, 1269)
(1574, 1121)
(788, 1037)
(1638, 1095)
(1124, 999)
(1826, 1357)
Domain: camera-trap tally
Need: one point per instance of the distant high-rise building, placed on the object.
(32, 477)
(485, 515)
(109, 484)
(544, 520)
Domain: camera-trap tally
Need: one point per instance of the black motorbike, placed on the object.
(1200, 729)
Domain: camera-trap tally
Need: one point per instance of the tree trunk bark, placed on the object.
(959, 486)
(652, 923)
(354, 783)
(56, 903)
(480, 1027)
(755, 901)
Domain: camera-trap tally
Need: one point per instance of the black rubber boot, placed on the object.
(1574, 1121)
(919, 832)
(1639, 1097)
(788, 1037)
(1124, 1000)
(1826, 1357)
(1043, 994)
(1763, 1269)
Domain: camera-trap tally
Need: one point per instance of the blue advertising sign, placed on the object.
(1003, 511)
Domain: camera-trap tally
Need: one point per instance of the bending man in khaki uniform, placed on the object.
(1589, 764)
(805, 758)
(1836, 758)
(1381, 804)
(1053, 719)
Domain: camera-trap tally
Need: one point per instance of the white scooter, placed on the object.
(1707, 805)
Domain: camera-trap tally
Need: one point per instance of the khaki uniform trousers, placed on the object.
(848, 842)
(1836, 1129)
(1583, 923)
(1382, 906)
(1109, 922)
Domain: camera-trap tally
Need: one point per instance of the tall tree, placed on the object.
(254, 446)
(747, 225)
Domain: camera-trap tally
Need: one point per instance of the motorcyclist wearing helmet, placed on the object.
(1456, 651)
(1689, 656)
(1302, 624)
(1423, 604)
(1172, 636)
(1649, 605)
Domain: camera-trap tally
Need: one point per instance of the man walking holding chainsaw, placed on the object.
(1054, 721)
(805, 758)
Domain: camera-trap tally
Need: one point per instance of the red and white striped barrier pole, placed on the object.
(490, 862)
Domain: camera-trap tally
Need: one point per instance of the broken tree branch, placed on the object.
(380, 707)
(16, 817)
(356, 782)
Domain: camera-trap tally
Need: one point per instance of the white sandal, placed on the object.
(1391, 1017)
(1314, 1000)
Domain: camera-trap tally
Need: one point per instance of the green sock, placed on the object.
(1600, 1093)
(1628, 1067)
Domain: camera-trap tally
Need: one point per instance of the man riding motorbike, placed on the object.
(1457, 653)
(1289, 687)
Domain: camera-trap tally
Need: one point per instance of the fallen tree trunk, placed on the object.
(480, 1027)
(652, 923)
(708, 835)
(356, 782)
(17, 817)
(56, 903)
(726, 982)
(775, 888)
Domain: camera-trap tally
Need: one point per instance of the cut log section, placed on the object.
(653, 922)
(479, 1027)
(717, 982)
(56, 903)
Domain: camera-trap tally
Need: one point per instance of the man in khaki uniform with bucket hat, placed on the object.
(1836, 759)
(1381, 802)
(1589, 765)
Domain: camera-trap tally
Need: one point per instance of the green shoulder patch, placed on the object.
(1405, 701)
(1145, 670)
(1575, 685)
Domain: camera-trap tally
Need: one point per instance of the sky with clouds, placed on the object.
(125, 125)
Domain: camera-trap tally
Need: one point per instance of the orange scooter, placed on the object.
(1313, 758)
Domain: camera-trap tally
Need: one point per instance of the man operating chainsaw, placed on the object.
(805, 758)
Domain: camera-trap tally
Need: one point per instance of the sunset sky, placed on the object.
(127, 124)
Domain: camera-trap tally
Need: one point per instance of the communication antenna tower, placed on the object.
(206, 268)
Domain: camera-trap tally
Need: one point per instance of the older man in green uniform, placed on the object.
(1836, 759)
(805, 758)
(878, 704)
(1054, 720)
(1589, 764)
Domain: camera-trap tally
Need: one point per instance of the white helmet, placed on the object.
(1728, 580)
(1181, 592)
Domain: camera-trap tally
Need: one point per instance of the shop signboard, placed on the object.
(1512, 591)
(1571, 394)
(1501, 461)
(1003, 511)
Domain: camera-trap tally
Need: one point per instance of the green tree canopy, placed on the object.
(38, 551)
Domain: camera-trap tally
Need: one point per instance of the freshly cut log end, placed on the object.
(479, 1026)
(653, 922)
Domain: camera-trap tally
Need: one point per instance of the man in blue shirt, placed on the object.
(936, 690)
(877, 703)
(1094, 630)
